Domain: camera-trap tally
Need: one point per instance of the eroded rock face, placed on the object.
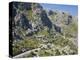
(45, 20)
(37, 9)
(24, 22)
(57, 28)
(69, 19)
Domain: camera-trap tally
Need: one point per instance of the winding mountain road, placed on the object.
(25, 53)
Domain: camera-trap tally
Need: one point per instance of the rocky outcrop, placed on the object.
(45, 20)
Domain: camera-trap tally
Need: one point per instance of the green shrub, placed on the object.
(27, 44)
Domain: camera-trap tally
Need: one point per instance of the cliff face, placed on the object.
(32, 22)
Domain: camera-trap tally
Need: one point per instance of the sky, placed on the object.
(72, 9)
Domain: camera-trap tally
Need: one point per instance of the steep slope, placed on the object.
(54, 32)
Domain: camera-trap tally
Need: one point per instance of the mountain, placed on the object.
(54, 32)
